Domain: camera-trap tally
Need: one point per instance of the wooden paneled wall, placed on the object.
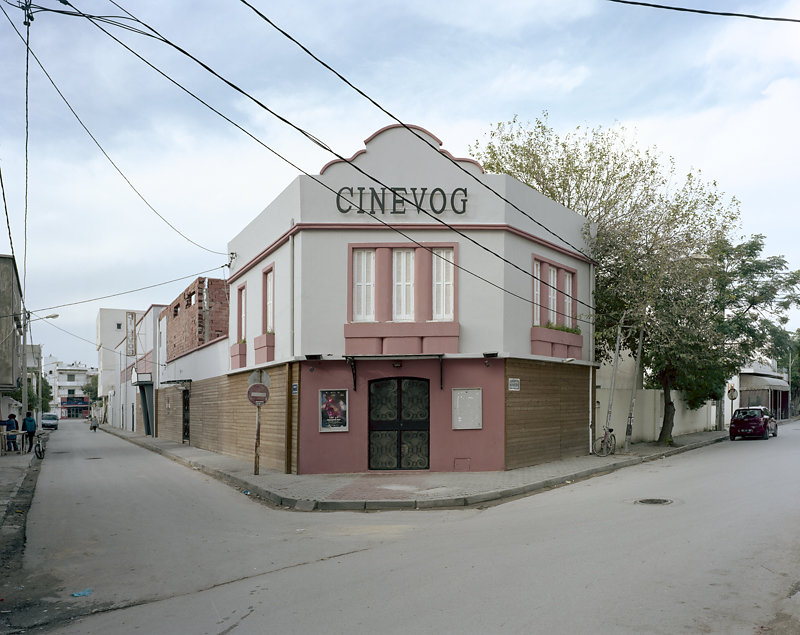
(221, 419)
(548, 418)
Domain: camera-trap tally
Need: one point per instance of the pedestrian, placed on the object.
(29, 426)
(11, 439)
(93, 424)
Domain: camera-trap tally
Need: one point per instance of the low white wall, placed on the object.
(649, 414)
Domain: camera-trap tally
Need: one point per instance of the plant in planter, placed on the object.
(563, 327)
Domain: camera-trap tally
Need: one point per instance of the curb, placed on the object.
(308, 505)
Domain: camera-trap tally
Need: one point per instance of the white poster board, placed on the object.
(467, 408)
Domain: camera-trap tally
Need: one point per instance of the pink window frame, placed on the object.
(423, 279)
(241, 291)
(270, 269)
(545, 264)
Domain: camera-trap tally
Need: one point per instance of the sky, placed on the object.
(719, 94)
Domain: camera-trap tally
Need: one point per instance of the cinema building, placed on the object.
(408, 312)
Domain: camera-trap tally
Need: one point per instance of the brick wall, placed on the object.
(192, 326)
(221, 419)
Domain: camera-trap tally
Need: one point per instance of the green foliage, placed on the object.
(33, 398)
(563, 327)
(90, 388)
(665, 259)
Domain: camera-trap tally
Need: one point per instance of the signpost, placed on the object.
(258, 395)
(732, 395)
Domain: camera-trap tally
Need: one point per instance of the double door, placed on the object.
(399, 424)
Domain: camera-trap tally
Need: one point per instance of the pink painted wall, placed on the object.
(450, 450)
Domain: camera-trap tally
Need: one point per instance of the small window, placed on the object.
(552, 314)
(176, 310)
(70, 377)
(71, 392)
(403, 305)
(192, 299)
(443, 283)
(363, 285)
(119, 326)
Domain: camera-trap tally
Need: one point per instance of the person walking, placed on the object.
(29, 426)
(11, 439)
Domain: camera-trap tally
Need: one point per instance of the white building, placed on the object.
(67, 381)
(403, 316)
(137, 365)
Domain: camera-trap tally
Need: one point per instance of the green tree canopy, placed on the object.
(665, 260)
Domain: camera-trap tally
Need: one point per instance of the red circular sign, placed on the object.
(258, 394)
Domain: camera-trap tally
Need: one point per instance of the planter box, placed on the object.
(239, 355)
(264, 348)
(555, 343)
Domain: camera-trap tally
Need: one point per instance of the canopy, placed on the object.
(760, 382)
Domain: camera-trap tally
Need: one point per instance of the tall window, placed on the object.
(443, 283)
(269, 308)
(537, 293)
(568, 299)
(363, 285)
(552, 315)
(403, 305)
(242, 308)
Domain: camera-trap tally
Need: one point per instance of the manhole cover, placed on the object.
(654, 501)
(93, 458)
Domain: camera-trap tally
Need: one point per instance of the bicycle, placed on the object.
(606, 444)
(38, 447)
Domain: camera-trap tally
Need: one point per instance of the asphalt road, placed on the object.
(165, 549)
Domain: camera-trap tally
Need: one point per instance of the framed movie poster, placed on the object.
(333, 411)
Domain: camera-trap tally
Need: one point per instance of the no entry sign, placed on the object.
(258, 394)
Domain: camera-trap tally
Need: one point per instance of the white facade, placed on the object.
(66, 382)
(111, 331)
(138, 375)
(306, 227)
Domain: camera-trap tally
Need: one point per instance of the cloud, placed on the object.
(506, 17)
(522, 82)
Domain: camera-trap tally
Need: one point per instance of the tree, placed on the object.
(90, 388)
(33, 398)
(665, 263)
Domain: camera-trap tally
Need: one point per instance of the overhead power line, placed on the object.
(306, 50)
(726, 14)
(114, 295)
(97, 143)
(8, 218)
(327, 148)
(311, 137)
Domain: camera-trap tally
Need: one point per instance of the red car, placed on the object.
(754, 421)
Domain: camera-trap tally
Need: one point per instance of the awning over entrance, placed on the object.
(760, 382)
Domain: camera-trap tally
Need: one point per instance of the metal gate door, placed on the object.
(399, 424)
(186, 416)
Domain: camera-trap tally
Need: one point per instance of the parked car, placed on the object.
(49, 421)
(753, 421)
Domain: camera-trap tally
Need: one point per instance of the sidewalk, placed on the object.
(414, 490)
(14, 468)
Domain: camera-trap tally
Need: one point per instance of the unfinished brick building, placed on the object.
(198, 316)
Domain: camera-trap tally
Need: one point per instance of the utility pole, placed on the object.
(24, 361)
(632, 406)
(614, 372)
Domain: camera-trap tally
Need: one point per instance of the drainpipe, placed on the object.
(591, 408)
(291, 290)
